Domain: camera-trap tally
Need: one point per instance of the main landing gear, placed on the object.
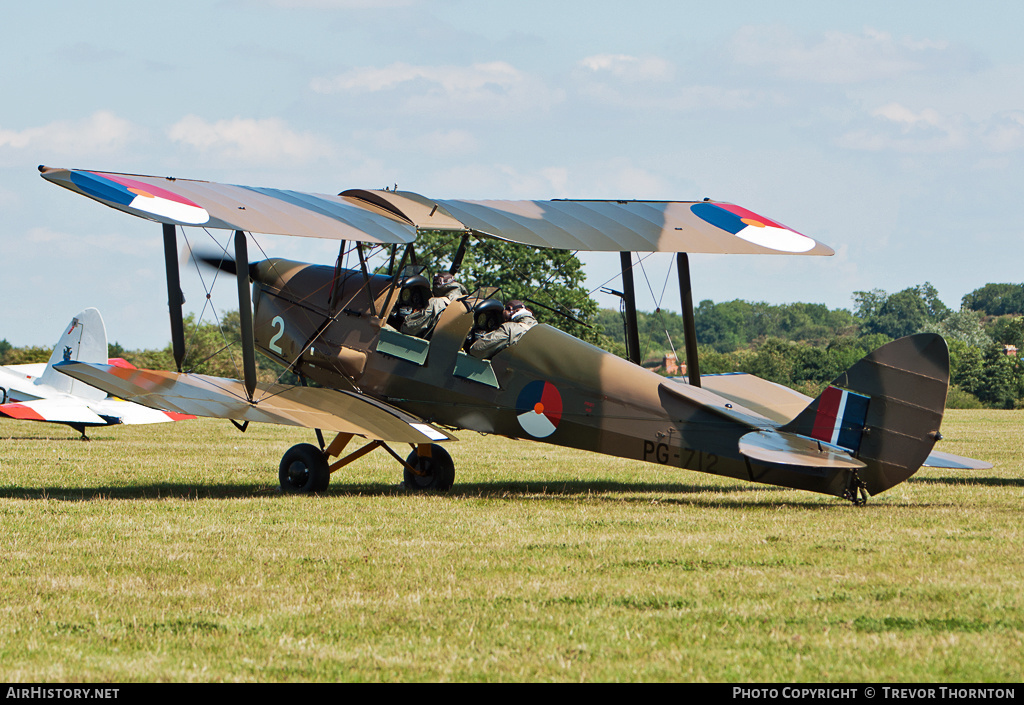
(307, 469)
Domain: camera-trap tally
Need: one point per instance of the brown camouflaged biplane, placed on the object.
(871, 429)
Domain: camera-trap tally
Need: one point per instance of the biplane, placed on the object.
(359, 376)
(38, 392)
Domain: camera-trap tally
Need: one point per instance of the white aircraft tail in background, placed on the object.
(38, 392)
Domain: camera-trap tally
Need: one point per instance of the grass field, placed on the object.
(165, 553)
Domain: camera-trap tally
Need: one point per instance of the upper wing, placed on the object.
(634, 226)
(202, 395)
(396, 216)
(213, 205)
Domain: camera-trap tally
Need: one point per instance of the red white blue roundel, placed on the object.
(540, 408)
(752, 227)
(125, 191)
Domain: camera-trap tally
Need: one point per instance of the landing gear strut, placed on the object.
(305, 468)
(857, 492)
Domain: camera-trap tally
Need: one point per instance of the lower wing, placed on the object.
(202, 395)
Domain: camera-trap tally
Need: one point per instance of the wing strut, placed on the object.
(366, 276)
(629, 299)
(457, 260)
(175, 298)
(245, 316)
(689, 324)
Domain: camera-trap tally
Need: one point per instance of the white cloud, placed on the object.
(438, 143)
(489, 87)
(678, 99)
(333, 4)
(103, 133)
(451, 79)
(629, 68)
(895, 127)
(1005, 132)
(648, 84)
(839, 57)
(267, 141)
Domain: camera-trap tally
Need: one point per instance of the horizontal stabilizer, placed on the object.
(58, 410)
(774, 401)
(780, 448)
(127, 412)
(216, 397)
(938, 459)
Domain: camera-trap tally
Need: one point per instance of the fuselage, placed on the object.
(21, 383)
(551, 387)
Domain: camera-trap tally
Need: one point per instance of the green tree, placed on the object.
(722, 326)
(28, 355)
(964, 325)
(115, 350)
(775, 361)
(900, 314)
(966, 364)
(1008, 330)
(996, 299)
(999, 381)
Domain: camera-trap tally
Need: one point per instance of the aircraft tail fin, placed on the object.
(885, 410)
(84, 340)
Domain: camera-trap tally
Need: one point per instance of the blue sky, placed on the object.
(891, 131)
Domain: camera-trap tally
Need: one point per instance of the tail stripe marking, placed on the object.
(840, 418)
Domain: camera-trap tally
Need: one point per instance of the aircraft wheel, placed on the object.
(436, 463)
(304, 470)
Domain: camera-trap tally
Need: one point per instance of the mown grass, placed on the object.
(165, 553)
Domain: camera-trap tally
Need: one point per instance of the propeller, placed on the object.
(221, 261)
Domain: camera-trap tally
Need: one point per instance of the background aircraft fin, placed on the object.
(84, 339)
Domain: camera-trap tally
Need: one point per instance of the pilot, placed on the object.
(412, 298)
(518, 320)
(445, 290)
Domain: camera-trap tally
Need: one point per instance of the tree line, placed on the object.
(805, 346)
(801, 345)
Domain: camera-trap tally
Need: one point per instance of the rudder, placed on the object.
(886, 409)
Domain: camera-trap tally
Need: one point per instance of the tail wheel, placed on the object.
(304, 470)
(436, 466)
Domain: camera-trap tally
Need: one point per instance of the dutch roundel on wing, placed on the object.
(136, 195)
(752, 227)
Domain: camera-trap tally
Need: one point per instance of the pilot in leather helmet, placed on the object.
(517, 320)
(446, 289)
(412, 297)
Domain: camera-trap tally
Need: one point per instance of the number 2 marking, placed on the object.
(274, 347)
